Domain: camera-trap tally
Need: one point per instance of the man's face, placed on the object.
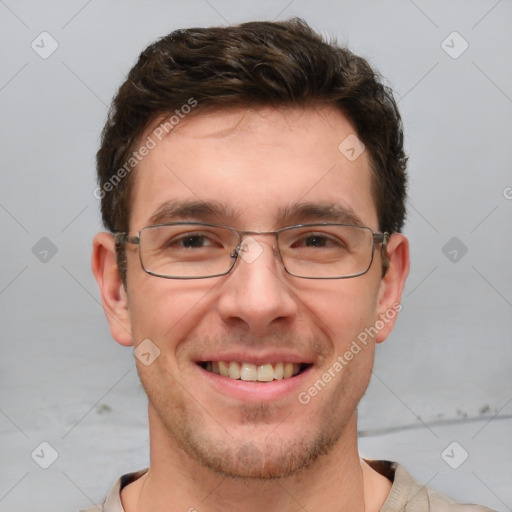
(257, 169)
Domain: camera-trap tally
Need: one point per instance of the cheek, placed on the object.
(166, 310)
(345, 307)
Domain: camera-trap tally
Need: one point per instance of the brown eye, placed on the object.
(191, 241)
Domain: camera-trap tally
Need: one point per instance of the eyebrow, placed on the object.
(320, 211)
(176, 210)
(218, 212)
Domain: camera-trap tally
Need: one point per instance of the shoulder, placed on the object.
(113, 501)
(407, 495)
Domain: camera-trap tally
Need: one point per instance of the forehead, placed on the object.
(254, 167)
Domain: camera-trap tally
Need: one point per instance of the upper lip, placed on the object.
(256, 358)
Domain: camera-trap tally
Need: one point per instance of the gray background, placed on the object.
(445, 373)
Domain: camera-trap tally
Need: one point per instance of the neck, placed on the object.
(339, 481)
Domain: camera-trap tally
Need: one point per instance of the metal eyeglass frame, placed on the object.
(122, 238)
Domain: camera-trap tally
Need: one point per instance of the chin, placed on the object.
(250, 463)
(270, 458)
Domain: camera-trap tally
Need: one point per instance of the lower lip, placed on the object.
(250, 391)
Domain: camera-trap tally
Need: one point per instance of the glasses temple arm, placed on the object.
(124, 238)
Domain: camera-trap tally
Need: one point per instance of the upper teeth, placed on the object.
(249, 371)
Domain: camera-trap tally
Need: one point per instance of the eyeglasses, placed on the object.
(191, 250)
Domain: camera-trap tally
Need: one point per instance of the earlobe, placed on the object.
(392, 284)
(113, 295)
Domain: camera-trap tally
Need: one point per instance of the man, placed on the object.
(253, 182)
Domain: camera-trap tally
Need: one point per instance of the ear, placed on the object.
(392, 284)
(113, 294)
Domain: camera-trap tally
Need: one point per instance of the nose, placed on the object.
(256, 295)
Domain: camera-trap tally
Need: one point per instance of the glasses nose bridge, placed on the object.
(243, 235)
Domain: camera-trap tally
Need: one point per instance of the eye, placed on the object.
(193, 241)
(318, 240)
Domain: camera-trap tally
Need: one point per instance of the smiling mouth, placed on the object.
(267, 372)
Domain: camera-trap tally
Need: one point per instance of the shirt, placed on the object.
(406, 494)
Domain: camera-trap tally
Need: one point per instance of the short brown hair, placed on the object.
(271, 64)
